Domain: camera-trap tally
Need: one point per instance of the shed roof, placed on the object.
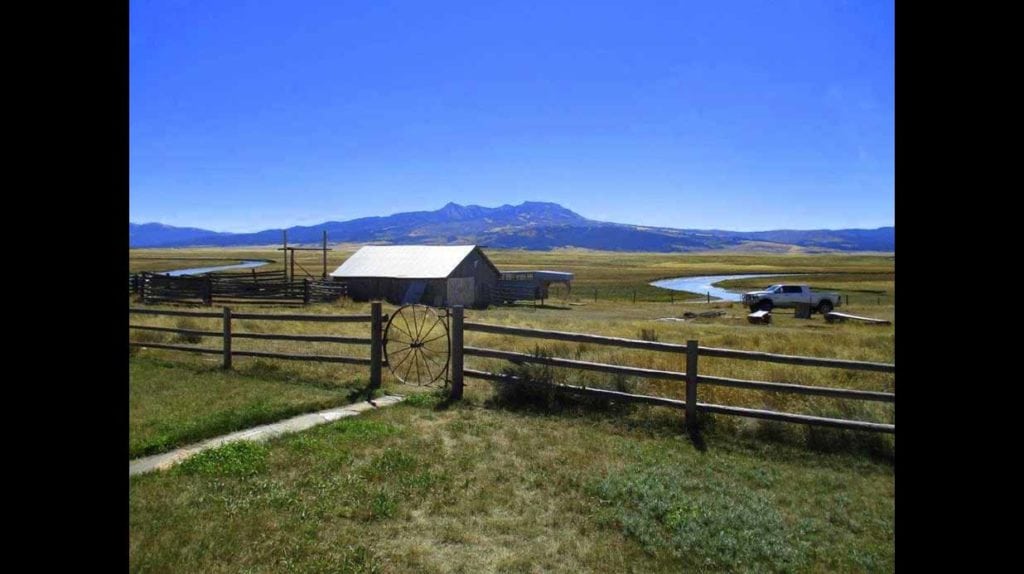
(540, 275)
(404, 261)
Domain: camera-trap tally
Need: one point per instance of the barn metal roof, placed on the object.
(404, 261)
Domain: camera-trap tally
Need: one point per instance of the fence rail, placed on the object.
(266, 288)
(227, 335)
(690, 377)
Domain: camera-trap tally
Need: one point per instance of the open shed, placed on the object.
(437, 275)
(516, 285)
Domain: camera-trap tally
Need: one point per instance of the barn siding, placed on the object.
(485, 277)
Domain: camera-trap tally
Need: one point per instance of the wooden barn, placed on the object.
(436, 275)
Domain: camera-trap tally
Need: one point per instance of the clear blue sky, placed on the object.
(247, 115)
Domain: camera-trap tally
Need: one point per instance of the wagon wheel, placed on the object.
(416, 345)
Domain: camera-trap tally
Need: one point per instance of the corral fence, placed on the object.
(691, 377)
(376, 320)
(268, 287)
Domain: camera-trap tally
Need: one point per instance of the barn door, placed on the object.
(461, 291)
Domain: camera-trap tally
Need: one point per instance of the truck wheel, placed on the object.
(765, 305)
(825, 307)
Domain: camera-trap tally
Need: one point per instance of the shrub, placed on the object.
(187, 323)
(648, 335)
(536, 388)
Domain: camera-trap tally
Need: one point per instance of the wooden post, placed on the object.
(709, 296)
(227, 337)
(285, 252)
(305, 291)
(456, 355)
(847, 300)
(325, 255)
(634, 296)
(376, 344)
(291, 276)
(208, 288)
(691, 385)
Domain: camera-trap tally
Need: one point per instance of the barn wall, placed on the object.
(392, 290)
(359, 289)
(485, 277)
(435, 293)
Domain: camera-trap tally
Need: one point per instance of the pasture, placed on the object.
(505, 483)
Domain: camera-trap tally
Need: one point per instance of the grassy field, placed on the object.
(479, 487)
(611, 275)
(171, 404)
(491, 486)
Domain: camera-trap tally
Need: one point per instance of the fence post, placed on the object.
(376, 336)
(709, 296)
(634, 296)
(691, 385)
(305, 291)
(227, 337)
(208, 295)
(456, 393)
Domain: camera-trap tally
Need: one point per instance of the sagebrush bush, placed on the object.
(191, 324)
(648, 335)
(537, 388)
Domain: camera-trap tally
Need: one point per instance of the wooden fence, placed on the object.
(690, 353)
(263, 288)
(376, 320)
(691, 377)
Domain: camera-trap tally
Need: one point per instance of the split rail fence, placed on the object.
(691, 377)
(691, 353)
(376, 319)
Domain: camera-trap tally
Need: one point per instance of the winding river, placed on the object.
(705, 284)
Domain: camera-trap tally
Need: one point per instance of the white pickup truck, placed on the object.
(788, 296)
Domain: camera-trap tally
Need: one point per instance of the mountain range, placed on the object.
(529, 225)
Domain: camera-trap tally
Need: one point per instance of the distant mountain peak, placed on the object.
(538, 225)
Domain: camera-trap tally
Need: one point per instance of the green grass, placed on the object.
(613, 276)
(173, 404)
(412, 488)
(621, 318)
(522, 482)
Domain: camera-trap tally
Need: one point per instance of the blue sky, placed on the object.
(728, 115)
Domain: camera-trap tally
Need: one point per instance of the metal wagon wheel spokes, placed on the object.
(416, 345)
